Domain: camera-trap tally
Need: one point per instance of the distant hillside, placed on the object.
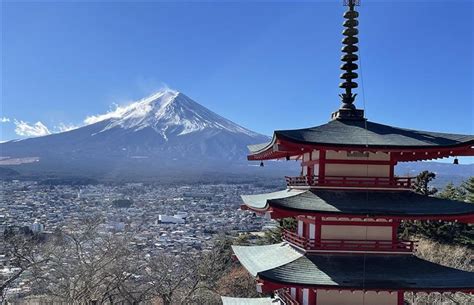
(445, 172)
(8, 173)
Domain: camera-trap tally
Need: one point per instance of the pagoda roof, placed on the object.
(359, 202)
(350, 271)
(255, 259)
(357, 133)
(246, 301)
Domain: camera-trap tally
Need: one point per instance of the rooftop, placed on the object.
(359, 134)
(403, 204)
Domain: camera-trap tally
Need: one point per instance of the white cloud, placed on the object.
(63, 127)
(4, 120)
(35, 130)
(120, 111)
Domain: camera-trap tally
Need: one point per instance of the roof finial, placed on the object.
(347, 109)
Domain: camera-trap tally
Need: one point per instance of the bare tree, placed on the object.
(25, 252)
(85, 266)
(459, 257)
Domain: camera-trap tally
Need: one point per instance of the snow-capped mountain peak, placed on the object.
(165, 133)
(168, 112)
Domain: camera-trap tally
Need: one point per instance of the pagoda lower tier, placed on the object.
(318, 278)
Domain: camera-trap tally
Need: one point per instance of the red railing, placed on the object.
(338, 181)
(349, 245)
(285, 296)
(296, 240)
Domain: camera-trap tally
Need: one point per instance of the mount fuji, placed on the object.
(165, 133)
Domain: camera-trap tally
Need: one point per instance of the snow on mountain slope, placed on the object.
(165, 130)
(168, 112)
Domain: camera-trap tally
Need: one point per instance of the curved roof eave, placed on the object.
(353, 134)
(396, 204)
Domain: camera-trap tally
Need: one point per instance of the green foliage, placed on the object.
(421, 184)
(269, 237)
(468, 187)
(452, 192)
(275, 236)
(442, 231)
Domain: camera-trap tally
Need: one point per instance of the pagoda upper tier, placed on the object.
(354, 135)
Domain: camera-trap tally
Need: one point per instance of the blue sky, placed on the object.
(267, 65)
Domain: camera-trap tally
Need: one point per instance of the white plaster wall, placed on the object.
(305, 300)
(357, 170)
(316, 169)
(293, 292)
(332, 297)
(356, 232)
(305, 170)
(306, 157)
(312, 231)
(300, 228)
(315, 154)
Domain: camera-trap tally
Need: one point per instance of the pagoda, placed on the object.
(348, 204)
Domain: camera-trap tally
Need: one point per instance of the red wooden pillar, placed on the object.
(395, 225)
(312, 297)
(317, 234)
(299, 295)
(309, 166)
(400, 299)
(392, 171)
(322, 166)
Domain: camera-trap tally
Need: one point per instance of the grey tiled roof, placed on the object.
(391, 203)
(256, 259)
(370, 271)
(362, 133)
(351, 270)
(259, 201)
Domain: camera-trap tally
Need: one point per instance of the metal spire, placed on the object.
(348, 109)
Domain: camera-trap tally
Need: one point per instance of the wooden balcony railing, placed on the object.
(349, 245)
(285, 296)
(337, 181)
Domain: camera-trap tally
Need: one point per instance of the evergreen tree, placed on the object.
(421, 184)
(445, 232)
(452, 192)
(468, 187)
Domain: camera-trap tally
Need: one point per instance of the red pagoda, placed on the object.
(348, 204)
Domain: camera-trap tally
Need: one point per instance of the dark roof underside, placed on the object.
(391, 203)
(362, 133)
(381, 271)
